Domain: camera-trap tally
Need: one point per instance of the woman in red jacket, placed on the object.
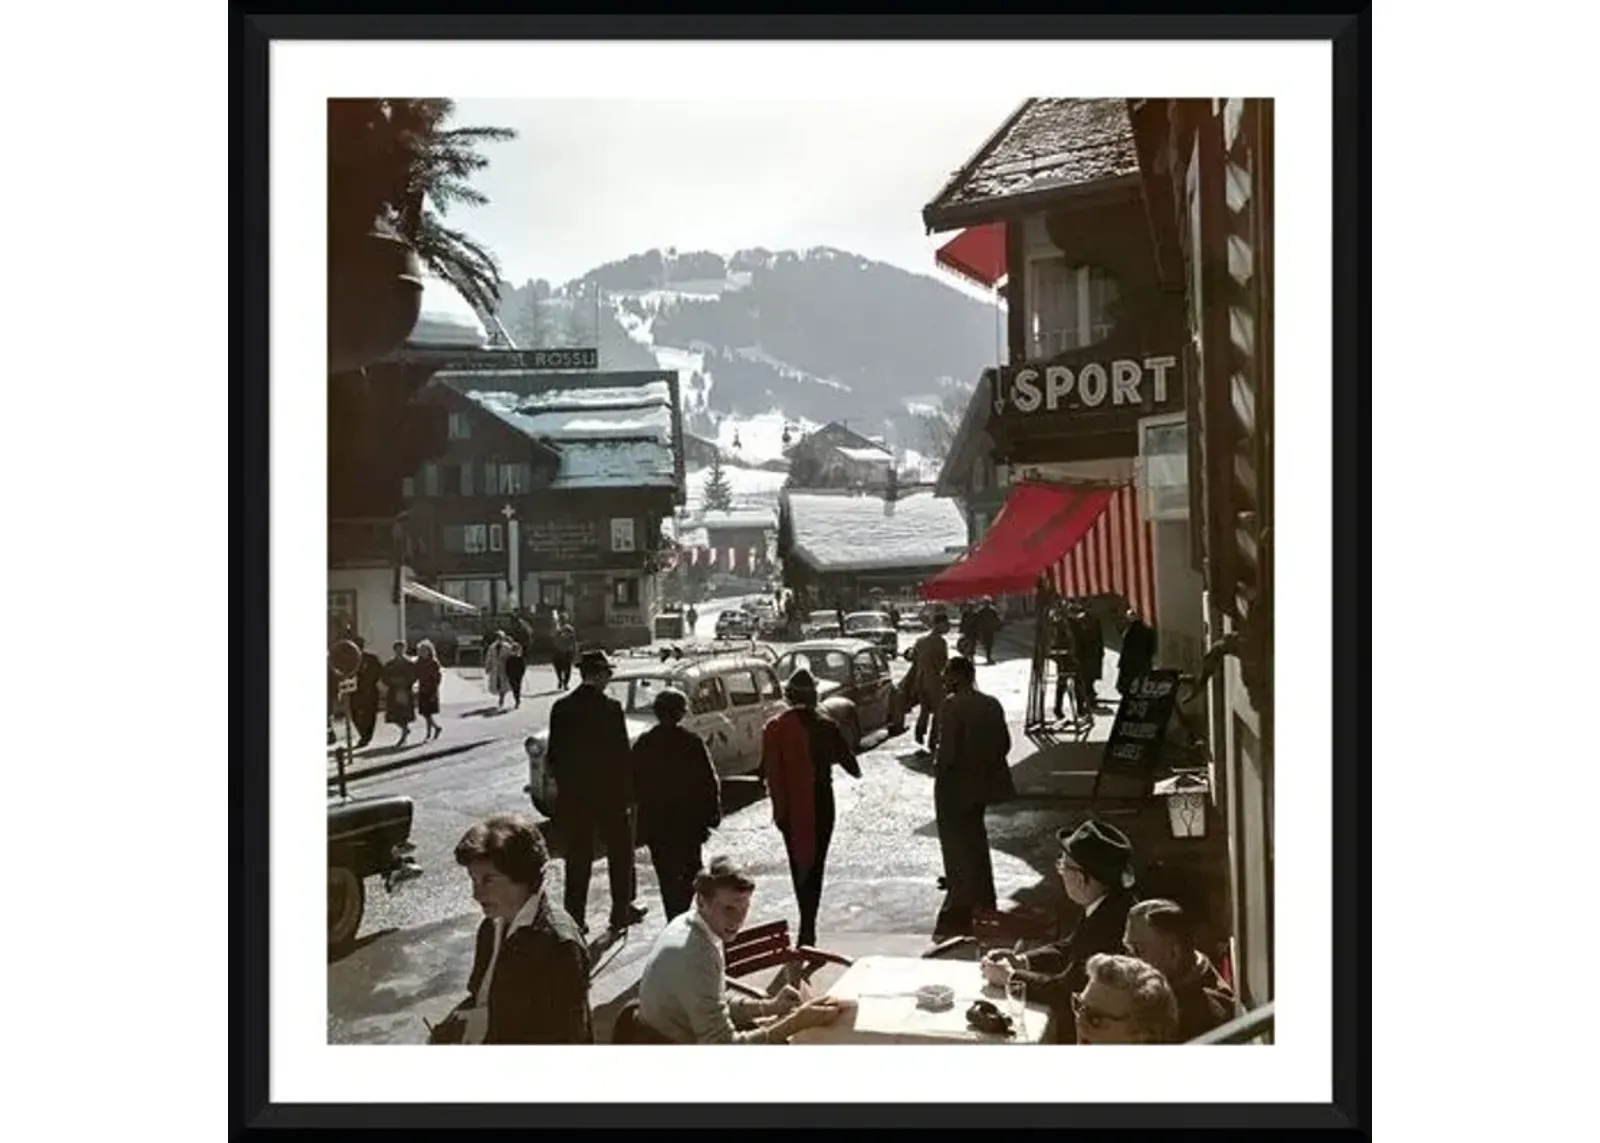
(799, 749)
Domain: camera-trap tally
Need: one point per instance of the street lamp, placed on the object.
(1187, 795)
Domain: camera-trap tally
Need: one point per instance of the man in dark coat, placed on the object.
(590, 759)
(1089, 648)
(1138, 650)
(680, 800)
(1095, 865)
(1064, 654)
(988, 626)
(971, 773)
(1161, 934)
(364, 700)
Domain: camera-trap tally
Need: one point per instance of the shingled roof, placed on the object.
(1048, 145)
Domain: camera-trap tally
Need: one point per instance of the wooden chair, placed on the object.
(996, 928)
(768, 946)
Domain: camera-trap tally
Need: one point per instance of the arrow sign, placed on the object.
(998, 393)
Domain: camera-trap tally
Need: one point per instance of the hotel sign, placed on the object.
(1134, 385)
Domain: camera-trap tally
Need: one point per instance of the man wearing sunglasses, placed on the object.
(1095, 866)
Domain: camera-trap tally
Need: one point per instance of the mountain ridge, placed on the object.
(792, 337)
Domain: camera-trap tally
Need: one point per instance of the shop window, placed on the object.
(1071, 306)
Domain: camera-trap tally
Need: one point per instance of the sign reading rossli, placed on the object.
(1134, 747)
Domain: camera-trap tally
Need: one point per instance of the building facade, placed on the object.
(835, 456)
(1207, 170)
(738, 541)
(550, 495)
(839, 546)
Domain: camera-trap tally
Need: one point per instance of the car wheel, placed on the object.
(347, 900)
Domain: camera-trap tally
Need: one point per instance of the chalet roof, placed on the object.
(738, 518)
(608, 435)
(1047, 145)
(844, 531)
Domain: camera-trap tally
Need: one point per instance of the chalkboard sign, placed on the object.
(1141, 726)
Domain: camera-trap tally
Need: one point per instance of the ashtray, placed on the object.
(936, 997)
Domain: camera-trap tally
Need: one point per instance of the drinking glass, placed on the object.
(1017, 1001)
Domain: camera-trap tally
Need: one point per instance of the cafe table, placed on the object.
(884, 991)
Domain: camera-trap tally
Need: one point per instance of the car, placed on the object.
(854, 684)
(818, 619)
(875, 627)
(733, 624)
(731, 697)
(367, 837)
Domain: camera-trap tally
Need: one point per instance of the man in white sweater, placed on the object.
(683, 993)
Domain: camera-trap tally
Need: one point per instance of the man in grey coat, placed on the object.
(683, 995)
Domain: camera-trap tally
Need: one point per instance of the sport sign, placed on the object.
(1136, 384)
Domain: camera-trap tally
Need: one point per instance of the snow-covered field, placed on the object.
(752, 487)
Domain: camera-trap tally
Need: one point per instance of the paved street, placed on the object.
(415, 948)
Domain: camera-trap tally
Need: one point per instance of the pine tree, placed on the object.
(719, 493)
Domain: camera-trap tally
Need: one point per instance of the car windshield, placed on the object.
(823, 617)
(825, 666)
(637, 694)
(865, 620)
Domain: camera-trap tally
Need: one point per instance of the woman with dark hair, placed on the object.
(679, 799)
(799, 749)
(530, 973)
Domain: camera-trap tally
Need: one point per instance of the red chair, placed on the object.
(768, 946)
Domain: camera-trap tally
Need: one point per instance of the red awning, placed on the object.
(978, 254)
(1038, 526)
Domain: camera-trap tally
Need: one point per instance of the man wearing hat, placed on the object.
(924, 683)
(970, 774)
(1095, 865)
(589, 756)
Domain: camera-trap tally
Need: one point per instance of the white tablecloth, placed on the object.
(884, 988)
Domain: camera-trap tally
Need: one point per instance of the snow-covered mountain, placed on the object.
(767, 341)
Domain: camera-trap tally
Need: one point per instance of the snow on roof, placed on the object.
(868, 454)
(615, 464)
(736, 518)
(446, 318)
(841, 531)
(608, 437)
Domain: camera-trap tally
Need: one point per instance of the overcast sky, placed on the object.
(587, 181)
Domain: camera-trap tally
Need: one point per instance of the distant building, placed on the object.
(700, 451)
(834, 456)
(737, 541)
(838, 546)
(588, 464)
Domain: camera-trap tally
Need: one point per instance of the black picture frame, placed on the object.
(1349, 1113)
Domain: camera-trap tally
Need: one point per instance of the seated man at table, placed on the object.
(683, 996)
(1124, 1001)
(1095, 869)
(1161, 934)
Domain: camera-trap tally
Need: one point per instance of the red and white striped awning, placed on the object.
(1116, 556)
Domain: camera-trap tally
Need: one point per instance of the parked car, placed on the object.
(873, 626)
(818, 619)
(854, 684)
(367, 837)
(730, 699)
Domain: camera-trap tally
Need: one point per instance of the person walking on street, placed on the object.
(925, 682)
(1064, 654)
(1138, 651)
(988, 626)
(679, 797)
(364, 699)
(690, 618)
(399, 706)
(799, 749)
(1090, 650)
(429, 676)
(564, 642)
(971, 773)
(590, 759)
(494, 667)
(516, 665)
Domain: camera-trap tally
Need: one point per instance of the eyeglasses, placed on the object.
(1091, 1016)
